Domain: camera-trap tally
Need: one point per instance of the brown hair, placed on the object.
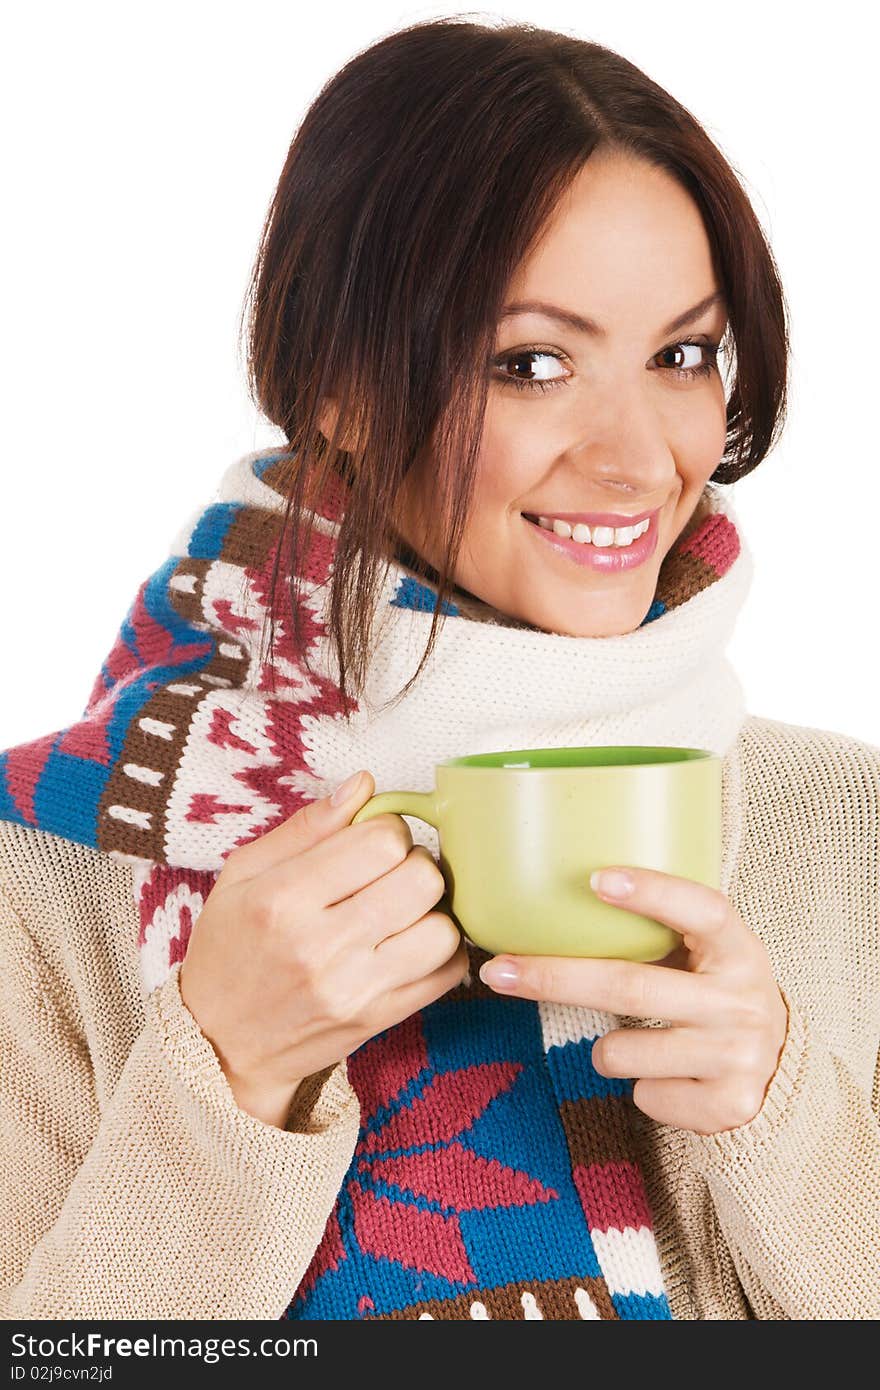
(417, 177)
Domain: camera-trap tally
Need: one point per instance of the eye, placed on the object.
(516, 368)
(511, 368)
(706, 367)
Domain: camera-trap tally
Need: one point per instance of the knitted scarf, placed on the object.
(494, 1174)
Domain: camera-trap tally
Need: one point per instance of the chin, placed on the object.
(610, 625)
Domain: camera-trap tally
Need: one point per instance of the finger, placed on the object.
(392, 903)
(417, 994)
(308, 826)
(334, 869)
(661, 1052)
(703, 915)
(423, 947)
(706, 1107)
(617, 986)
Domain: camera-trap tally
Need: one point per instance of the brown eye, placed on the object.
(704, 368)
(517, 369)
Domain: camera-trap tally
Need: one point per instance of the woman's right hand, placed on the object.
(314, 938)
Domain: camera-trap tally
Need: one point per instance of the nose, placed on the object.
(623, 451)
(646, 476)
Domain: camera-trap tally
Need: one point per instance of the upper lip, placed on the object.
(615, 519)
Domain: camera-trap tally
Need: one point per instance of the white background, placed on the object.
(141, 147)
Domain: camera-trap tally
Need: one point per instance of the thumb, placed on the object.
(314, 821)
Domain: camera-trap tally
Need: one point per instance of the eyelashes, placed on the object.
(703, 369)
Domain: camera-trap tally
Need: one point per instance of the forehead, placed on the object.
(624, 238)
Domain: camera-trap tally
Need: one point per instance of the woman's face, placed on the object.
(615, 424)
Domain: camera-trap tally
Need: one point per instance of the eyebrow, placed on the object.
(585, 325)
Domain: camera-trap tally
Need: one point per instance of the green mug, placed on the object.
(521, 831)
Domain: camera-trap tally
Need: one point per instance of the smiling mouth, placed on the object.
(641, 524)
(605, 558)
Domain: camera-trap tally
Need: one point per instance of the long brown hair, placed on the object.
(417, 178)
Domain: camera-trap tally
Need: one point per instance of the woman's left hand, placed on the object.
(710, 1070)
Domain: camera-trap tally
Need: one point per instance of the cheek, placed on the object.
(699, 439)
(515, 454)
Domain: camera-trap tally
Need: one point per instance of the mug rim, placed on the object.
(467, 762)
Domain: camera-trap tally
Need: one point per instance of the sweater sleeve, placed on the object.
(796, 1191)
(172, 1202)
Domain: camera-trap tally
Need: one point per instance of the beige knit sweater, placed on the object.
(134, 1187)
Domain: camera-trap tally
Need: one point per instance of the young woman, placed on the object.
(518, 326)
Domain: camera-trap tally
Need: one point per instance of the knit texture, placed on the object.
(452, 1206)
(133, 1186)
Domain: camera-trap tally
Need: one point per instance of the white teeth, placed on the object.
(600, 535)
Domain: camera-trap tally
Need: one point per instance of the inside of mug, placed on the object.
(608, 756)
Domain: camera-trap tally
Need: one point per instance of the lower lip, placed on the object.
(603, 557)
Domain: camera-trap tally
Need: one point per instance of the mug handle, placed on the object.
(422, 805)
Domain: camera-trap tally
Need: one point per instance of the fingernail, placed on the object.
(499, 974)
(345, 789)
(614, 883)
